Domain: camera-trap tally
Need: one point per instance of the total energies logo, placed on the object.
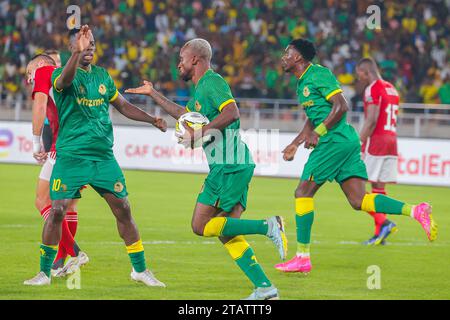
(6, 140)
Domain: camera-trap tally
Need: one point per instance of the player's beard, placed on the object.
(186, 76)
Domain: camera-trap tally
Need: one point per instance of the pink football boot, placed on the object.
(422, 213)
(296, 264)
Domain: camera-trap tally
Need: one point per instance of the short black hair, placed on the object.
(305, 48)
(45, 57)
(367, 61)
(369, 64)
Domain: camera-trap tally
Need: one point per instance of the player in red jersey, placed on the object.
(39, 71)
(379, 139)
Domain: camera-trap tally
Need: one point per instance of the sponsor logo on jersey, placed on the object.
(308, 103)
(90, 102)
(198, 106)
(102, 89)
(118, 187)
(306, 91)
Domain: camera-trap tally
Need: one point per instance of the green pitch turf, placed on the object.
(199, 268)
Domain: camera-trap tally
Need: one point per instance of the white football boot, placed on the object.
(270, 293)
(73, 264)
(40, 279)
(55, 272)
(147, 278)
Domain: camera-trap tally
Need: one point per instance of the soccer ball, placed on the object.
(194, 120)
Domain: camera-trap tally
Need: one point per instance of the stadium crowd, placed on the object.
(141, 39)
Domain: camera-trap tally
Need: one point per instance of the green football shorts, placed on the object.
(226, 190)
(70, 174)
(334, 161)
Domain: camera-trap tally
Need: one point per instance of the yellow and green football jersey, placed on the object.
(85, 128)
(212, 94)
(314, 89)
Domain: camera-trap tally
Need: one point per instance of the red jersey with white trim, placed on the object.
(383, 95)
(43, 83)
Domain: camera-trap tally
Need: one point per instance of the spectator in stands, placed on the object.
(140, 39)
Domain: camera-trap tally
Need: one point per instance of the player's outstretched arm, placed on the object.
(175, 110)
(134, 113)
(373, 111)
(81, 42)
(38, 117)
(291, 149)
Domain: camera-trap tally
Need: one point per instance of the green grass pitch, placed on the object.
(199, 268)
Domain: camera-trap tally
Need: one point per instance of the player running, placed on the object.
(379, 139)
(39, 71)
(336, 154)
(223, 197)
(82, 94)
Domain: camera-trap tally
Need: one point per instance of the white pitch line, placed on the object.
(315, 242)
(16, 226)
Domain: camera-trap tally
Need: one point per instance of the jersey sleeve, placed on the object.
(373, 96)
(219, 93)
(190, 105)
(55, 75)
(42, 81)
(327, 83)
(111, 91)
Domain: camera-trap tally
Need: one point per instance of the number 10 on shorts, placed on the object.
(56, 185)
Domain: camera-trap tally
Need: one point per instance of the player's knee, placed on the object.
(57, 213)
(41, 202)
(72, 207)
(123, 210)
(300, 193)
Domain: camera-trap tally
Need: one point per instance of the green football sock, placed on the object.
(137, 256)
(383, 204)
(304, 225)
(245, 258)
(304, 207)
(48, 254)
(231, 227)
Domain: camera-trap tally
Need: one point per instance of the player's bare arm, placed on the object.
(38, 118)
(340, 107)
(230, 113)
(134, 113)
(373, 112)
(290, 151)
(82, 42)
(175, 110)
